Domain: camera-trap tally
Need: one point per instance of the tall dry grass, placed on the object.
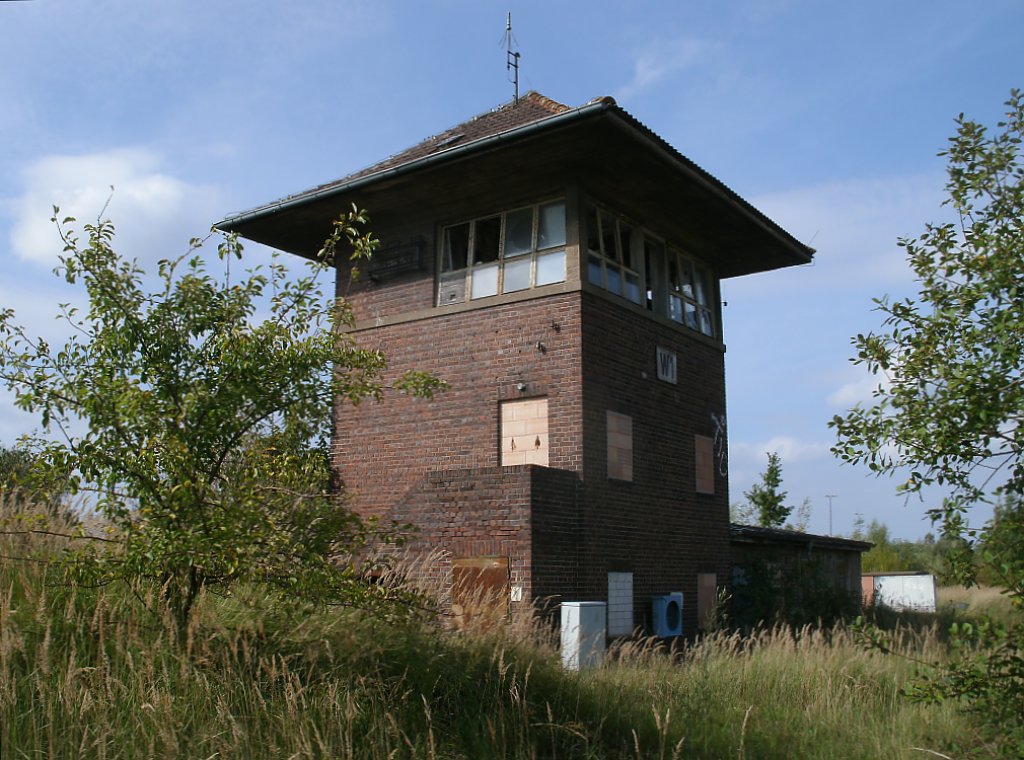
(978, 600)
(91, 673)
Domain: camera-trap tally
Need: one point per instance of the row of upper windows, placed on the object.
(525, 248)
(511, 251)
(629, 262)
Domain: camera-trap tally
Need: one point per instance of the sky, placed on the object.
(826, 116)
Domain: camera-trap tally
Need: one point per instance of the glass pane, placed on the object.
(703, 291)
(608, 247)
(687, 278)
(485, 240)
(675, 308)
(674, 281)
(632, 287)
(654, 265)
(551, 231)
(456, 248)
(691, 314)
(519, 232)
(485, 282)
(706, 325)
(625, 235)
(593, 232)
(614, 281)
(594, 273)
(551, 268)
(516, 275)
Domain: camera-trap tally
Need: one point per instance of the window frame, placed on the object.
(621, 260)
(468, 276)
(700, 279)
(652, 262)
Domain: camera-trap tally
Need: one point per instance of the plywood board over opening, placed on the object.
(480, 591)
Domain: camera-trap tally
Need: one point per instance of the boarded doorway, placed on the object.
(479, 591)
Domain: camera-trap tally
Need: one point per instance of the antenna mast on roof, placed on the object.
(512, 59)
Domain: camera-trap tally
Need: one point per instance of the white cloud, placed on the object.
(791, 450)
(859, 391)
(855, 224)
(660, 59)
(155, 213)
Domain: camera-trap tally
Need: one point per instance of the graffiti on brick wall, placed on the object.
(718, 420)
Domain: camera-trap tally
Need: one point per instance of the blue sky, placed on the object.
(827, 116)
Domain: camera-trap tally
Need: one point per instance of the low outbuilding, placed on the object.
(793, 577)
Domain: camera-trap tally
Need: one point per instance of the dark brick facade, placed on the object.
(436, 463)
(588, 353)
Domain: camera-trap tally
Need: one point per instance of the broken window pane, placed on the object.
(519, 232)
(551, 229)
(456, 247)
(485, 240)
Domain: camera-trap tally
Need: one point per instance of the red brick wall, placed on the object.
(396, 293)
(384, 449)
(436, 463)
(657, 526)
(527, 513)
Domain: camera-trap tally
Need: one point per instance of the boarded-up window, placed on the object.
(620, 604)
(479, 591)
(524, 432)
(707, 593)
(704, 462)
(620, 446)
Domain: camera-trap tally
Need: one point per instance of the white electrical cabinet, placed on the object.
(583, 634)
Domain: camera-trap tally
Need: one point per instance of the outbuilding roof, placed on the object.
(755, 534)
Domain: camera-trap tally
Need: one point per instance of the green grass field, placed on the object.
(93, 674)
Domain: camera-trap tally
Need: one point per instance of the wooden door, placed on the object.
(480, 588)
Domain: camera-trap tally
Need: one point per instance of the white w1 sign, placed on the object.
(667, 369)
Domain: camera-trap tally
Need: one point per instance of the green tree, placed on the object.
(766, 498)
(23, 478)
(206, 427)
(1002, 559)
(15, 464)
(950, 409)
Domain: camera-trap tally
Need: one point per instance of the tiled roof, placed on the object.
(280, 222)
(531, 107)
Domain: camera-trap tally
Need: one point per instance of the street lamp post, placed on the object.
(830, 496)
